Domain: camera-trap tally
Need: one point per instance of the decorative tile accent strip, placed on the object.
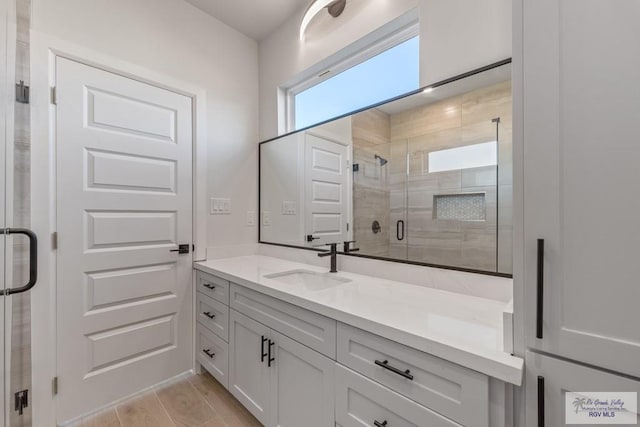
(461, 207)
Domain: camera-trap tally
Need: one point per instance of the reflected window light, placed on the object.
(466, 157)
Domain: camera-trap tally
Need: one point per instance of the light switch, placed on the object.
(289, 208)
(251, 218)
(266, 218)
(220, 206)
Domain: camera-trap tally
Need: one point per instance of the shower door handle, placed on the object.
(400, 230)
(33, 260)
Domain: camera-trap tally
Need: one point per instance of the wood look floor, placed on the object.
(197, 401)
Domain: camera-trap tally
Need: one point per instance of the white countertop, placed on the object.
(462, 329)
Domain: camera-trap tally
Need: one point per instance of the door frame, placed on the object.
(44, 51)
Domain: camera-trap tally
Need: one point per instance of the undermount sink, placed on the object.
(311, 280)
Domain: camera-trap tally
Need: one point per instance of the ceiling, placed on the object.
(255, 18)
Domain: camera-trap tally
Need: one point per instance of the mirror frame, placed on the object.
(398, 260)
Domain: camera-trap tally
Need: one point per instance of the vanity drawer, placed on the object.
(213, 314)
(213, 287)
(213, 354)
(311, 329)
(449, 389)
(361, 402)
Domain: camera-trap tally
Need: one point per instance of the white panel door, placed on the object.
(302, 386)
(553, 378)
(581, 183)
(124, 197)
(248, 364)
(326, 191)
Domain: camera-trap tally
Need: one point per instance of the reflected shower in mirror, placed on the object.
(425, 179)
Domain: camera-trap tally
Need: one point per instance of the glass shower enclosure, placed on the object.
(18, 245)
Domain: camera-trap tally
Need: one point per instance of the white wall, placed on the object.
(173, 38)
(455, 36)
(282, 175)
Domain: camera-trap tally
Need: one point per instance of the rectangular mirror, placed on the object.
(424, 179)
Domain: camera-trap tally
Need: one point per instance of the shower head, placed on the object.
(382, 160)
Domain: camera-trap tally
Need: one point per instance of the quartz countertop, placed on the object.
(462, 329)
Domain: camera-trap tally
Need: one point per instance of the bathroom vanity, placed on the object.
(299, 346)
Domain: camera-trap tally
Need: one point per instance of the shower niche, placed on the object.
(425, 178)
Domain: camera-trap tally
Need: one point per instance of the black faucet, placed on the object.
(347, 247)
(333, 253)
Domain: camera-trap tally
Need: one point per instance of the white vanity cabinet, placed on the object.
(451, 390)
(293, 367)
(248, 364)
(302, 385)
(280, 381)
(212, 325)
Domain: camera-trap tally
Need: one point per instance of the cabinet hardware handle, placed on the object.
(262, 353)
(400, 227)
(540, 401)
(380, 424)
(209, 286)
(540, 289)
(385, 365)
(209, 315)
(271, 359)
(209, 353)
(33, 260)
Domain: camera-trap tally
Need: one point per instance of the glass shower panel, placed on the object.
(398, 199)
(452, 198)
(371, 197)
(18, 244)
(7, 52)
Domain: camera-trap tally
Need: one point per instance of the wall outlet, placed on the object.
(220, 206)
(289, 208)
(266, 218)
(251, 218)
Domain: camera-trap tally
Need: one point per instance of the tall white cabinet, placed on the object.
(581, 158)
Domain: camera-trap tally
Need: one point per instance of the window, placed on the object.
(380, 76)
(465, 157)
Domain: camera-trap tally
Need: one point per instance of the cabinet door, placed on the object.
(560, 377)
(248, 370)
(581, 186)
(302, 386)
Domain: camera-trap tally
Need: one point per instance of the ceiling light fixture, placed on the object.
(334, 7)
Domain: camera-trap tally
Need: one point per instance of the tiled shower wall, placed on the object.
(461, 120)
(371, 137)
(21, 306)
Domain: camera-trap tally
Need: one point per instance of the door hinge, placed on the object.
(54, 386)
(54, 240)
(54, 98)
(22, 93)
(21, 401)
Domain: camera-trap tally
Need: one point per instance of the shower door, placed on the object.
(18, 245)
